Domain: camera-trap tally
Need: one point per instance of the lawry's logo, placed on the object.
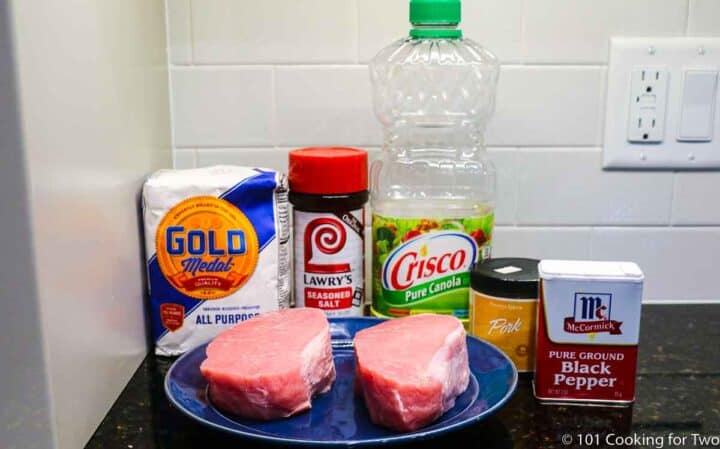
(324, 237)
(428, 257)
(591, 314)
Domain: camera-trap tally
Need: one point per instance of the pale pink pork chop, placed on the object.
(410, 370)
(272, 365)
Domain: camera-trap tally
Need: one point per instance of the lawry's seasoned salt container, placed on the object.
(587, 331)
(328, 189)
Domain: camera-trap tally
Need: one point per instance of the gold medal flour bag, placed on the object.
(217, 251)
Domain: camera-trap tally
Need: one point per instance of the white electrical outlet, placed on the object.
(648, 99)
(661, 109)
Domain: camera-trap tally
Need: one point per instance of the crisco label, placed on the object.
(423, 265)
(206, 247)
(329, 264)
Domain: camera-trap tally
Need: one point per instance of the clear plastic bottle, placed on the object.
(433, 191)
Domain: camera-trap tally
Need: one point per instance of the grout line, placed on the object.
(516, 206)
(569, 65)
(275, 129)
(208, 67)
(348, 64)
(602, 105)
(378, 145)
(523, 32)
(617, 226)
(200, 147)
(687, 17)
(171, 109)
(672, 198)
(501, 149)
(269, 148)
(563, 148)
(680, 301)
(192, 32)
(697, 226)
(278, 64)
(356, 9)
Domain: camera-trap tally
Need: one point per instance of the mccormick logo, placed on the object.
(428, 265)
(206, 247)
(591, 314)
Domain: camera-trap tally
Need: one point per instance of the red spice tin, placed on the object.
(587, 331)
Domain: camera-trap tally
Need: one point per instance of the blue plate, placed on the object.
(339, 417)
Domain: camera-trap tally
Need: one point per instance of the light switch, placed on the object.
(697, 110)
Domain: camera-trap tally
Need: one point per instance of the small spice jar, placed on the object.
(503, 306)
(328, 191)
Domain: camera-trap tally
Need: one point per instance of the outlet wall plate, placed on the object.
(624, 130)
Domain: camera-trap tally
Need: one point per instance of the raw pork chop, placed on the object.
(410, 370)
(272, 365)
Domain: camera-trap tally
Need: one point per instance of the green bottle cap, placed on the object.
(432, 13)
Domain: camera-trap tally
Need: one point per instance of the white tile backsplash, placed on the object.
(577, 31)
(269, 157)
(704, 18)
(380, 22)
(325, 106)
(179, 31)
(252, 80)
(184, 158)
(542, 243)
(274, 31)
(568, 187)
(331, 105)
(696, 199)
(274, 158)
(496, 24)
(505, 161)
(679, 263)
(550, 106)
(227, 107)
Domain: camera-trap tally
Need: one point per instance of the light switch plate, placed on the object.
(627, 122)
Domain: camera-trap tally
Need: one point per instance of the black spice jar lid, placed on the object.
(508, 277)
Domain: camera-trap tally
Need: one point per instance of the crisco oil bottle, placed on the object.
(433, 191)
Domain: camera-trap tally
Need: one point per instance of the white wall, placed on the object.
(87, 93)
(251, 80)
(24, 411)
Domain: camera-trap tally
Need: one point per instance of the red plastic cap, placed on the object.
(328, 170)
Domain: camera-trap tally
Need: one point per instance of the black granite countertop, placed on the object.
(678, 393)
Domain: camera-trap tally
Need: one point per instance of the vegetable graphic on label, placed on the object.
(411, 234)
(479, 236)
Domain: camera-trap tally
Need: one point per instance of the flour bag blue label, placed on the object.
(217, 246)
